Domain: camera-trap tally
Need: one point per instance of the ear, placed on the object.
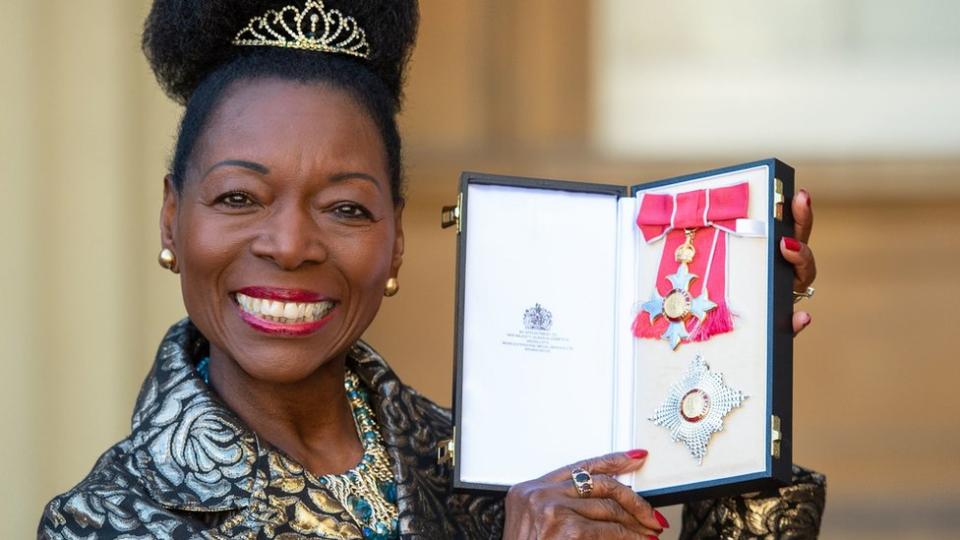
(168, 214)
(398, 240)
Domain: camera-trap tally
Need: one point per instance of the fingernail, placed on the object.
(652, 537)
(638, 453)
(663, 521)
(791, 243)
(807, 195)
(809, 319)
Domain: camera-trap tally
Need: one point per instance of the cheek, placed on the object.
(205, 250)
(366, 262)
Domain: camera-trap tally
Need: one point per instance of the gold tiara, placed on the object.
(314, 29)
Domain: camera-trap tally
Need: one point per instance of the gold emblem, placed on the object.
(677, 304)
(686, 252)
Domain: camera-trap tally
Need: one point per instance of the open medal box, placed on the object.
(598, 318)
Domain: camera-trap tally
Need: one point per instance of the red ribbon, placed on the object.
(717, 209)
(720, 207)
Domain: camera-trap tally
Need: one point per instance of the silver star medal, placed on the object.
(695, 407)
(678, 305)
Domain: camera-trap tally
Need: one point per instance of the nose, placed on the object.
(290, 238)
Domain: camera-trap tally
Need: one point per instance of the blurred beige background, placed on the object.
(860, 96)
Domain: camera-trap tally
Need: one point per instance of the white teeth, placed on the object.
(285, 312)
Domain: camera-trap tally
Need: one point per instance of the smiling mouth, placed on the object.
(276, 311)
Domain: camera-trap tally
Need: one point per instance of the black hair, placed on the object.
(189, 46)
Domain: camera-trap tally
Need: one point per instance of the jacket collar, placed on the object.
(195, 454)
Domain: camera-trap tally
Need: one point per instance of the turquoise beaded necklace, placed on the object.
(368, 491)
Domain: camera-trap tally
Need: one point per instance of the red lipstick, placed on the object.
(284, 329)
(277, 328)
(283, 295)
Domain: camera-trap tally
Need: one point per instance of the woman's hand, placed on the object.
(550, 507)
(797, 252)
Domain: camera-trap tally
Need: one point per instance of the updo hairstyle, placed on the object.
(189, 46)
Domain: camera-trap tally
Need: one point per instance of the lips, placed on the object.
(293, 312)
(284, 295)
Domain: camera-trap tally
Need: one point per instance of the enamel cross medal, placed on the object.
(679, 305)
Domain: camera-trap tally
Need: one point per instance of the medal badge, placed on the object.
(679, 305)
(689, 298)
(696, 406)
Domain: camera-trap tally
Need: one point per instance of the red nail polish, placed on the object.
(663, 521)
(791, 243)
(807, 194)
(638, 453)
(652, 537)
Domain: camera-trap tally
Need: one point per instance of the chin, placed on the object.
(281, 363)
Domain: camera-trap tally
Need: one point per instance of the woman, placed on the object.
(282, 215)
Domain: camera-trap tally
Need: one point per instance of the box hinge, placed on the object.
(776, 436)
(446, 450)
(779, 199)
(450, 215)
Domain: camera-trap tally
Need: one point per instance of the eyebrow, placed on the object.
(264, 170)
(340, 177)
(252, 165)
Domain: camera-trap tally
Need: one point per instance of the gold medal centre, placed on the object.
(677, 304)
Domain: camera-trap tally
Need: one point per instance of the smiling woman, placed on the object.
(294, 213)
(265, 415)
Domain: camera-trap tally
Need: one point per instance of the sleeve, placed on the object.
(792, 512)
(428, 507)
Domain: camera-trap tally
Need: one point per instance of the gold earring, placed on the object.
(392, 287)
(167, 260)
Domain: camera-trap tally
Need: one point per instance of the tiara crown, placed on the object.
(314, 28)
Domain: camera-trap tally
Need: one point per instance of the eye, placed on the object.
(349, 210)
(236, 199)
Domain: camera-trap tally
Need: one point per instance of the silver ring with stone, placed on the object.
(583, 481)
(798, 296)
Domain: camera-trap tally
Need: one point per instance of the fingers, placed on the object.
(797, 252)
(802, 215)
(801, 257)
(613, 501)
(801, 320)
(608, 511)
(611, 464)
(551, 507)
(577, 527)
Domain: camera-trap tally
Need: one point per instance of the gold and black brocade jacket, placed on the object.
(190, 468)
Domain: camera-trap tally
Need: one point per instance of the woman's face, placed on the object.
(285, 230)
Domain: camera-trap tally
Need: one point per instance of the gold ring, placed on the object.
(582, 481)
(798, 296)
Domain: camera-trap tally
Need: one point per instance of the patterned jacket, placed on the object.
(190, 468)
